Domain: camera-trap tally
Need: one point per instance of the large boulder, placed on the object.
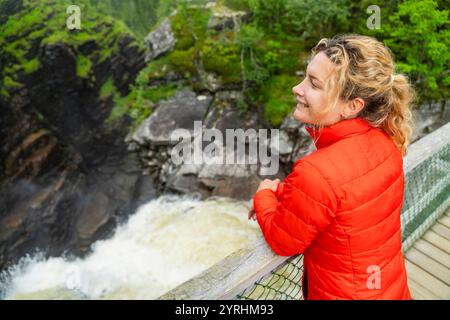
(178, 112)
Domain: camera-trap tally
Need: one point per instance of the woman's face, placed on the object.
(311, 93)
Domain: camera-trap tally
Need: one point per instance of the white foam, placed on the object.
(166, 242)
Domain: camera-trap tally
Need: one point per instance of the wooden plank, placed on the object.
(437, 241)
(431, 266)
(441, 230)
(433, 252)
(426, 280)
(420, 293)
(445, 220)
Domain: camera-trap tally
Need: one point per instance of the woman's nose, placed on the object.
(297, 90)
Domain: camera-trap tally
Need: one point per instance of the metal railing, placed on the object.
(257, 273)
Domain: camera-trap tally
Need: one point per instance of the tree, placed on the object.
(419, 35)
(317, 19)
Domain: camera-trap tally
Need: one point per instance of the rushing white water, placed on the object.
(166, 242)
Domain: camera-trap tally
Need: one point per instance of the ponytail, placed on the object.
(399, 121)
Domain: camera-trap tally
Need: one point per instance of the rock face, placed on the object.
(429, 118)
(160, 41)
(222, 17)
(210, 176)
(66, 176)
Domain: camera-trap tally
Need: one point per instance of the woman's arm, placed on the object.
(294, 216)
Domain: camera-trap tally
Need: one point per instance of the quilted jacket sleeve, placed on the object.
(293, 216)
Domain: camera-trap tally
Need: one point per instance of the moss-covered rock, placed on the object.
(43, 23)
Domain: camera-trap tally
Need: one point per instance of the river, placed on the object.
(166, 242)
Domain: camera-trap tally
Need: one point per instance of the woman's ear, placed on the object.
(354, 106)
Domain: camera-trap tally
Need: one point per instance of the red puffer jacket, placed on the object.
(340, 207)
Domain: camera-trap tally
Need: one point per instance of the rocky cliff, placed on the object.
(66, 178)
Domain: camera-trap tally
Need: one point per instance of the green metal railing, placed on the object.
(284, 283)
(426, 198)
(427, 195)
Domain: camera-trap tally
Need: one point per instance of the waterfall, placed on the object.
(166, 242)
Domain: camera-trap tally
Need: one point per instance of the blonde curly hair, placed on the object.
(365, 69)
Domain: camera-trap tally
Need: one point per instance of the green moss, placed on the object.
(189, 24)
(107, 89)
(156, 69)
(12, 70)
(4, 93)
(120, 108)
(223, 59)
(37, 34)
(276, 93)
(17, 49)
(74, 37)
(84, 65)
(31, 65)
(23, 21)
(183, 61)
(156, 94)
(45, 21)
(10, 83)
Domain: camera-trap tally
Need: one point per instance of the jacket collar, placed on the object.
(337, 131)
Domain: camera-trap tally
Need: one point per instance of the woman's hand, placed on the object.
(269, 184)
(266, 184)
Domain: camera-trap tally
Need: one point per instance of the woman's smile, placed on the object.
(301, 105)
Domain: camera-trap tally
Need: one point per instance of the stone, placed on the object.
(222, 17)
(160, 41)
(179, 112)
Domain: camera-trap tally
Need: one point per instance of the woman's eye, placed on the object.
(312, 84)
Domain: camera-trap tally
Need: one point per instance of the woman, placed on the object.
(341, 205)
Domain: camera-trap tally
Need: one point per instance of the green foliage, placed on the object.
(317, 19)
(249, 36)
(139, 15)
(278, 98)
(222, 58)
(268, 14)
(189, 26)
(237, 5)
(261, 58)
(138, 104)
(419, 36)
